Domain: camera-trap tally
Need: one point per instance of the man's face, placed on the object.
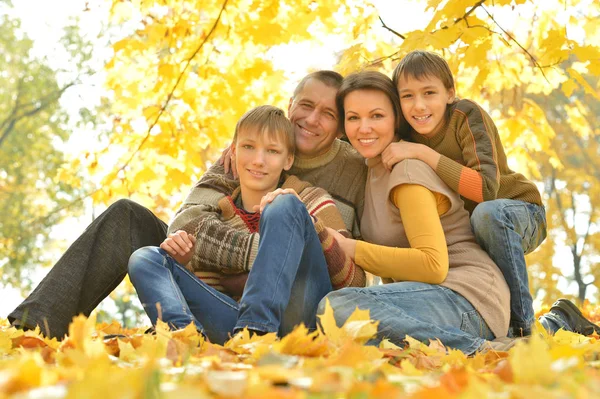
(314, 116)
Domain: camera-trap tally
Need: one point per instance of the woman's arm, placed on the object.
(427, 258)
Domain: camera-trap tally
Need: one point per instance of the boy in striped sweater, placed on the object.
(297, 261)
(460, 142)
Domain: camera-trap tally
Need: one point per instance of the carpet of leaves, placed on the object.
(330, 363)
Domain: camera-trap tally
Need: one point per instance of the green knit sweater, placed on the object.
(473, 161)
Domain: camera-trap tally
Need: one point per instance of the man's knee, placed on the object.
(124, 206)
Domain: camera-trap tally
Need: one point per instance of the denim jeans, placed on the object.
(508, 230)
(288, 279)
(553, 322)
(422, 311)
(91, 268)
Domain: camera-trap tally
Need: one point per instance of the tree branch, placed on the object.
(14, 118)
(535, 62)
(170, 96)
(401, 36)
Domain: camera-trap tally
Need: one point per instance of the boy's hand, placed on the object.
(397, 152)
(180, 245)
(227, 162)
(348, 245)
(267, 199)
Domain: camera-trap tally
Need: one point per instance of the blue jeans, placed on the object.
(553, 322)
(507, 230)
(288, 279)
(423, 311)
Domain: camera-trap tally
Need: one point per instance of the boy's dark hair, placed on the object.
(372, 80)
(328, 78)
(420, 64)
(267, 119)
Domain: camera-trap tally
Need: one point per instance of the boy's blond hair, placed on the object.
(270, 120)
(420, 64)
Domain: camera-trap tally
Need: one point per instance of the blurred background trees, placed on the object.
(33, 131)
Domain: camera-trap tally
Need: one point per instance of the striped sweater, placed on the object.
(473, 162)
(342, 270)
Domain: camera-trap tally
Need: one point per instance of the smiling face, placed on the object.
(314, 116)
(260, 158)
(423, 102)
(369, 121)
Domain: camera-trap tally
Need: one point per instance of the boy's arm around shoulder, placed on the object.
(479, 178)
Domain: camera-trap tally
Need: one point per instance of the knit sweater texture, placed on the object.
(473, 162)
(342, 270)
(341, 172)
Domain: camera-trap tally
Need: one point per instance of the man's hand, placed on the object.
(228, 163)
(180, 245)
(267, 199)
(348, 245)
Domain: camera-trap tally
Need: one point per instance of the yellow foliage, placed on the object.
(178, 363)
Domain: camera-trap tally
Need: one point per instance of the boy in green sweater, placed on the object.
(460, 142)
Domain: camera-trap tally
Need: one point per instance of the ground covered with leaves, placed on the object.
(330, 363)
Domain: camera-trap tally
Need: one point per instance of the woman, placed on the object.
(441, 284)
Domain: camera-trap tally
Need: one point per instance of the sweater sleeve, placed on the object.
(219, 246)
(427, 258)
(343, 272)
(479, 179)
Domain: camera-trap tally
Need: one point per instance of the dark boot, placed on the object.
(571, 314)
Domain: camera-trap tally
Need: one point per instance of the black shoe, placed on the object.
(572, 315)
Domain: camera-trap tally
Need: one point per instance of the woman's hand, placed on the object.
(348, 245)
(180, 245)
(267, 199)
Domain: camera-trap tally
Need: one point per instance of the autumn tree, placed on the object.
(572, 188)
(185, 75)
(188, 70)
(33, 126)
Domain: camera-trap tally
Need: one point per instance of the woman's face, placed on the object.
(369, 121)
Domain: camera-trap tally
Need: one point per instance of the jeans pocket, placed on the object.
(472, 323)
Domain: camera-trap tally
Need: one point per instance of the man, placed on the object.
(97, 261)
